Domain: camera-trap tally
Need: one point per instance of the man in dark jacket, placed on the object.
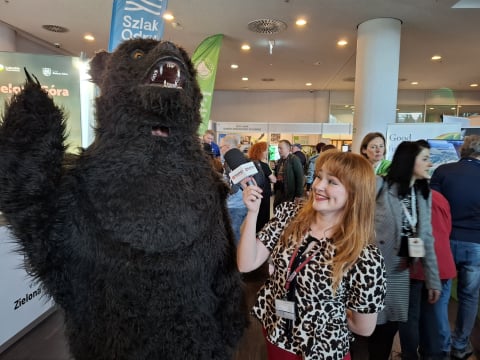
(289, 174)
(457, 182)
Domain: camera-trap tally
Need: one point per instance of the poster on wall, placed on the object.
(58, 75)
(22, 300)
(396, 133)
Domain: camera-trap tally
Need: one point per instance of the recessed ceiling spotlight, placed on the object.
(432, 108)
(436, 57)
(245, 47)
(317, 63)
(89, 37)
(168, 16)
(453, 108)
(234, 66)
(55, 28)
(414, 83)
(244, 78)
(473, 85)
(308, 84)
(301, 22)
(342, 42)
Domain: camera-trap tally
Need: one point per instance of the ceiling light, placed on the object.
(342, 42)
(234, 66)
(308, 84)
(244, 78)
(245, 47)
(168, 17)
(473, 85)
(436, 57)
(414, 83)
(432, 108)
(453, 108)
(89, 37)
(301, 22)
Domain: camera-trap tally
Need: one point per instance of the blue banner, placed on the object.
(136, 19)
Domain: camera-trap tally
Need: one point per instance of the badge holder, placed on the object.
(416, 247)
(285, 309)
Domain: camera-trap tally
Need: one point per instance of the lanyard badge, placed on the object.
(285, 308)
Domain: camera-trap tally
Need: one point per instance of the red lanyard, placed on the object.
(291, 275)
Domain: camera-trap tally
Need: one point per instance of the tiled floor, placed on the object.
(47, 341)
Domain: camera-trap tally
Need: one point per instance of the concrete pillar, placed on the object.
(376, 77)
(7, 38)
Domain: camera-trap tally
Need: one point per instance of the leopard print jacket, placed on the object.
(320, 329)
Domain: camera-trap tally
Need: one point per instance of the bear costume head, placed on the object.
(153, 83)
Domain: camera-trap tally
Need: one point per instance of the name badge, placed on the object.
(285, 309)
(416, 248)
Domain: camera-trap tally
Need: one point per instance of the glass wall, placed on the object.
(343, 113)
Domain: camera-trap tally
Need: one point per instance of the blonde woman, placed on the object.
(324, 260)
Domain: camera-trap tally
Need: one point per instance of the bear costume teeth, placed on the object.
(167, 74)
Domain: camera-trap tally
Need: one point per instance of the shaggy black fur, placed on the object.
(132, 239)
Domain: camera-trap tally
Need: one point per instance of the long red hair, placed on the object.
(256, 151)
(356, 226)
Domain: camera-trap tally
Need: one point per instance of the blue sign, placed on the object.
(136, 19)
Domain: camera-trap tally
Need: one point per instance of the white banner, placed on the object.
(21, 299)
(396, 133)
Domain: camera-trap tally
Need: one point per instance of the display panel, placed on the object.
(444, 151)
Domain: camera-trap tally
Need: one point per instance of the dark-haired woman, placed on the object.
(404, 236)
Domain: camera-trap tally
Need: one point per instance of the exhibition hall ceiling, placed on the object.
(299, 55)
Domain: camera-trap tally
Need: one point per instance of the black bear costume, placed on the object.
(131, 237)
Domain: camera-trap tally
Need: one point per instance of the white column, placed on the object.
(376, 77)
(7, 38)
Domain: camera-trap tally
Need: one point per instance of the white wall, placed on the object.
(270, 106)
(313, 107)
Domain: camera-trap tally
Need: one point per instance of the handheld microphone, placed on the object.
(241, 167)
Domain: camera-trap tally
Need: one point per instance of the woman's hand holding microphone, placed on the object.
(252, 195)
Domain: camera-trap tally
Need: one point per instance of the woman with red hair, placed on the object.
(259, 152)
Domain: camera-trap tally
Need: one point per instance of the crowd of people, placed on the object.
(362, 248)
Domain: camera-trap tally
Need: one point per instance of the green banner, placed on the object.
(205, 60)
(58, 75)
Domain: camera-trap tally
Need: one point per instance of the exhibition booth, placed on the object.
(306, 134)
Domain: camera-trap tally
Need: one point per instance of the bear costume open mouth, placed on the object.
(161, 131)
(166, 73)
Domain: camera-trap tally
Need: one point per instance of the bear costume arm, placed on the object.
(32, 133)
